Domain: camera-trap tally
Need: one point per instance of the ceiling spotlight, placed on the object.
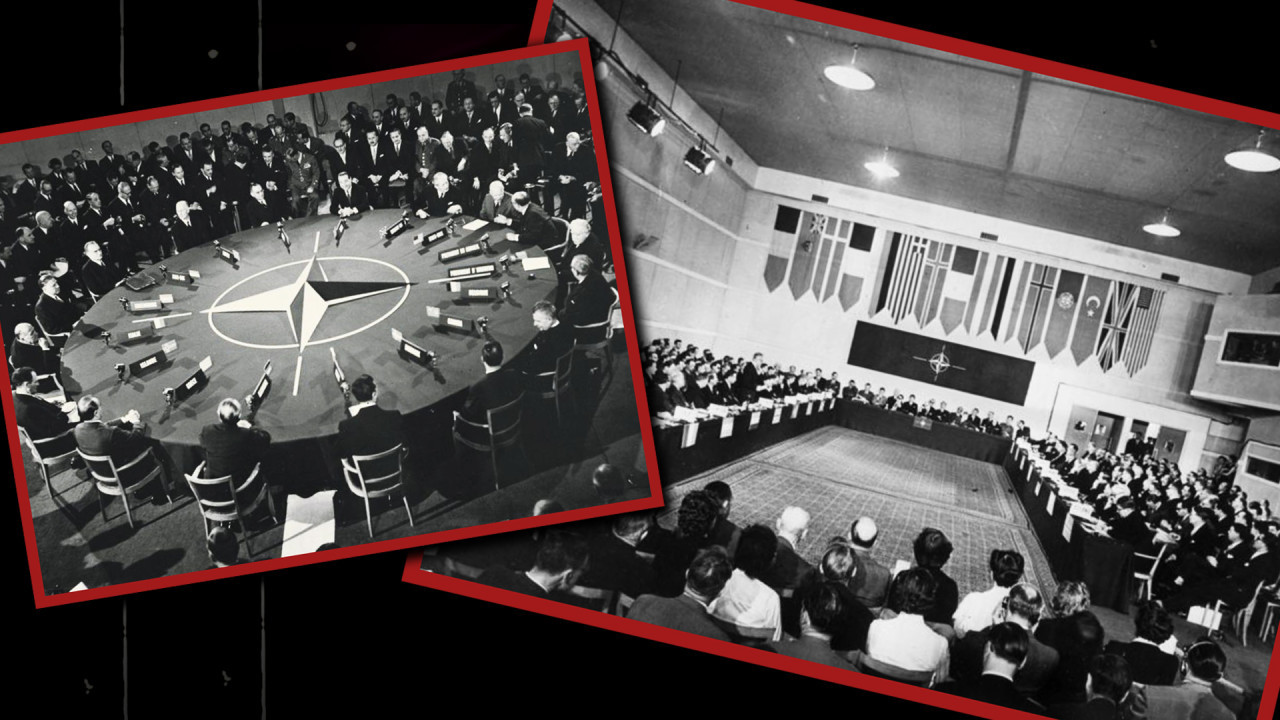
(849, 76)
(1252, 158)
(646, 119)
(881, 168)
(699, 160)
(1162, 228)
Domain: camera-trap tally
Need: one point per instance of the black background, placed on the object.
(350, 634)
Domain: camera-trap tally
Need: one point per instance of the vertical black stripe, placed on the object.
(888, 275)
(1000, 300)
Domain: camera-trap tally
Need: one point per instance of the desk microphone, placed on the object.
(505, 288)
(170, 397)
(120, 371)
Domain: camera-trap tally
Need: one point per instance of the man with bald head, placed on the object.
(584, 242)
(29, 349)
(232, 446)
(496, 203)
(573, 166)
(189, 230)
(871, 583)
(789, 569)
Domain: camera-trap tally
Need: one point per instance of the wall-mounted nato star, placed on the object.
(306, 299)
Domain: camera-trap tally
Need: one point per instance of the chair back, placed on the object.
(598, 334)
(113, 479)
(596, 598)
(375, 475)
(623, 605)
(46, 450)
(877, 668)
(221, 500)
(504, 423)
(562, 231)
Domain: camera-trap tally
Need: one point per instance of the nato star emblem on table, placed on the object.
(306, 299)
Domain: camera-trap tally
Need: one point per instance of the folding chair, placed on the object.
(233, 504)
(360, 472)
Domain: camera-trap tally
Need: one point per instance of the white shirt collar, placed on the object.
(355, 409)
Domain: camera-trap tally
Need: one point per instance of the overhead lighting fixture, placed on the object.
(1252, 158)
(1162, 228)
(881, 168)
(699, 160)
(849, 76)
(646, 119)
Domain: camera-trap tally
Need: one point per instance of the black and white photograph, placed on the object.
(370, 311)
(959, 365)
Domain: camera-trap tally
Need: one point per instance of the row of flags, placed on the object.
(1019, 304)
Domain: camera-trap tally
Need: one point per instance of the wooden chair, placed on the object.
(109, 481)
(597, 599)
(556, 384)
(598, 336)
(49, 454)
(623, 605)
(1144, 577)
(58, 339)
(1269, 620)
(501, 429)
(870, 666)
(1241, 618)
(232, 505)
(556, 252)
(360, 474)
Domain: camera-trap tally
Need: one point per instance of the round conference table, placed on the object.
(301, 307)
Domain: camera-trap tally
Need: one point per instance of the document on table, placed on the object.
(475, 224)
(536, 263)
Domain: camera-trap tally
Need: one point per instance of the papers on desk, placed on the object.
(475, 224)
(308, 523)
(684, 414)
(535, 263)
(715, 410)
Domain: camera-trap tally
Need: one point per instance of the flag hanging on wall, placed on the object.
(823, 254)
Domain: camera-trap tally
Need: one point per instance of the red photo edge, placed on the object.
(414, 574)
(43, 600)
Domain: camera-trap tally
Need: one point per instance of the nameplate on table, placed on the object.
(410, 351)
(1067, 526)
(425, 239)
(1038, 484)
(138, 306)
(922, 423)
(460, 253)
(196, 382)
(777, 415)
(468, 295)
(135, 336)
(726, 426)
(155, 359)
(795, 411)
(1050, 501)
(755, 420)
(445, 321)
(808, 408)
(228, 254)
(182, 277)
(472, 272)
(400, 226)
(263, 389)
(688, 434)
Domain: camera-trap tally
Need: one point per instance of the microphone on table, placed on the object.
(505, 288)
(338, 230)
(120, 371)
(106, 338)
(282, 235)
(482, 322)
(170, 397)
(484, 243)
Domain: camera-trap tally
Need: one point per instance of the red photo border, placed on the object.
(43, 600)
(413, 572)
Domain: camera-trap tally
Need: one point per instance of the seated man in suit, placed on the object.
(572, 167)
(256, 211)
(1194, 697)
(553, 340)
(583, 242)
(498, 387)
(789, 569)
(371, 429)
(98, 277)
(55, 315)
(442, 199)
(824, 608)
(614, 562)
(1110, 678)
(562, 557)
(870, 584)
(1005, 651)
(704, 580)
(496, 205)
(39, 417)
(232, 446)
(1020, 606)
(189, 230)
(1151, 653)
(31, 350)
(348, 197)
(590, 299)
(530, 224)
(122, 439)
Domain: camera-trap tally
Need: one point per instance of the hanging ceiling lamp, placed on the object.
(1162, 228)
(881, 168)
(1252, 158)
(849, 76)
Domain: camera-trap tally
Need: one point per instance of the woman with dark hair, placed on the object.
(905, 641)
(932, 551)
(674, 551)
(1151, 654)
(1074, 631)
(745, 601)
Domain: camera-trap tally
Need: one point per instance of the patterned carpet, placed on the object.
(839, 474)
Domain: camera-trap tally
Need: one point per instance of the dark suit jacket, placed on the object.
(1148, 664)
(490, 209)
(588, 301)
(494, 390)
(871, 583)
(547, 347)
(118, 440)
(997, 690)
(788, 569)
(535, 228)
(232, 450)
(41, 361)
(254, 214)
(1099, 708)
(678, 613)
(56, 316)
(186, 236)
(531, 136)
(966, 662)
(513, 580)
(592, 247)
(370, 432)
(813, 649)
(358, 199)
(98, 279)
(437, 206)
(40, 418)
(946, 601)
(614, 565)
